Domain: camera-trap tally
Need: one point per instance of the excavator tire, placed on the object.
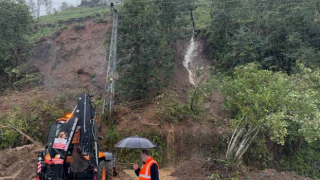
(102, 171)
(109, 170)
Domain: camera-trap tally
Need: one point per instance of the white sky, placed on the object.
(56, 4)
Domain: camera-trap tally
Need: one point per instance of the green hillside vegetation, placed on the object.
(273, 33)
(202, 13)
(275, 98)
(16, 25)
(148, 31)
(79, 13)
(272, 104)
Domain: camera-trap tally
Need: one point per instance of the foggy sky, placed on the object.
(56, 4)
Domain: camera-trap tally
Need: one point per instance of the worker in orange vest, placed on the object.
(150, 169)
(76, 136)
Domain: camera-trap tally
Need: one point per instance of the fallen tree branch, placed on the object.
(22, 133)
(202, 160)
(149, 124)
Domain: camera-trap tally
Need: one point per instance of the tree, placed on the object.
(146, 34)
(48, 4)
(263, 101)
(16, 23)
(274, 33)
(64, 6)
(90, 2)
(32, 8)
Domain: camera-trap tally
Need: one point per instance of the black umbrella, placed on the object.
(135, 142)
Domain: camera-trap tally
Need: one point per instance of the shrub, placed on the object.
(56, 33)
(100, 20)
(26, 74)
(174, 111)
(79, 27)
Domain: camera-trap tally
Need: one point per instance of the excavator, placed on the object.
(72, 151)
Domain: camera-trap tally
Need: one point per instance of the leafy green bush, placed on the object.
(170, 109)
(303, 159)
(31, 80)
(34, 121)
(262, 101)
(258, 155)
(42, 32)
(27, 74)
(100, 20)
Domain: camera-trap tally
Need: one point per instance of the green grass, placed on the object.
(42, 32)
(201, 14)
(67, 15)
(75, 13)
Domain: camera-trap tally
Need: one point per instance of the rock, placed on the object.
(42, 39)
(73, 37)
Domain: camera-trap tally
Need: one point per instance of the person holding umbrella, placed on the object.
(150, 169)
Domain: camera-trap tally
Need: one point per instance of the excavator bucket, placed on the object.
(78, 162)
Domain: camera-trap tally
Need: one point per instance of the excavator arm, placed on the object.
(65, 158)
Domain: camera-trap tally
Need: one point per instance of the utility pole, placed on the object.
(108, 103)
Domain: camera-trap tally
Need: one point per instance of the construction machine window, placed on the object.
(52, 134)
(58, 128)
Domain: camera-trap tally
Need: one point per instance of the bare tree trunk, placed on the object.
(235, 140)
(247, 146)
(246, 142)
(231, 139)
(242, 144)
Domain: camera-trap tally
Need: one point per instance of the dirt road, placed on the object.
(164, 174)
(20, 164)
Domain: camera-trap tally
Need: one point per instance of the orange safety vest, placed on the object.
(145, 172)
(76, 138)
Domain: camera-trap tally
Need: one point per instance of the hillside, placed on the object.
(71, 72)
(74, 61)
(225, 89)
